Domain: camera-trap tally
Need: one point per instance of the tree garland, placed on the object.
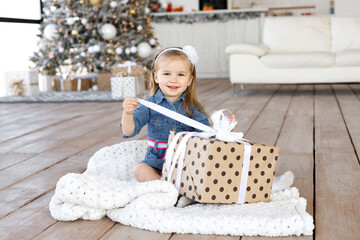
(199, 17)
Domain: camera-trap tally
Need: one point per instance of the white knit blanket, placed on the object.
(108, 188)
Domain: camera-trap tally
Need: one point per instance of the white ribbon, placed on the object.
(79, 84)
(244, 172)
(61, 84)
(221, 129)
(176, 116)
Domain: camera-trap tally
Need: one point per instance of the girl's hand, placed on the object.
(130, 104)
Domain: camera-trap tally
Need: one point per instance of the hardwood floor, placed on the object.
(316, 127)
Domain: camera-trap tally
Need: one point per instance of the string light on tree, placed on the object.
(74, 32)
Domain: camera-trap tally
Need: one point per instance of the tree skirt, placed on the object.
(108, 188)
(63, 96)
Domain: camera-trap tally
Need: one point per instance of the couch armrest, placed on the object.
(248, 48)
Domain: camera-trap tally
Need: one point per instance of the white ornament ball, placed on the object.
(127, 51)
(96, 48)
(152, 41)
(144, 50)
(91, 49)
(42, 44)
(84, 21)
(102, 64)
(139, 28)
(70, 21)
(118, 51)
(83, 54)
(50, 32)
(108, 31)
(95, 87)
(61, 49)
(113, 4)
(133, 49)
(147, 10)
(47, 12)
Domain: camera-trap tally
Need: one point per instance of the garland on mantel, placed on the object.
(195, 17)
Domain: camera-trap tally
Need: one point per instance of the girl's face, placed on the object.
(173, 76)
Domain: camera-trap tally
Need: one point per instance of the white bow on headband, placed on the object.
(189, 51)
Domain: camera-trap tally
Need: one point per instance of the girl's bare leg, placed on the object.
(144, 172)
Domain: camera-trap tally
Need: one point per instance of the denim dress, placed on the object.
(159, 126)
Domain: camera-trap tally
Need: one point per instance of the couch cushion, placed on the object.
(345, 33)
(297, 34)
(247, 48)
(296, 60)
(348, 58)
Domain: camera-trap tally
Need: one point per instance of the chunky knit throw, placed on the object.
(108, 188)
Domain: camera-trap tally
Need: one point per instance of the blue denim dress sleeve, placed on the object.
(200, 117)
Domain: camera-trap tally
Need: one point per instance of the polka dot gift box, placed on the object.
(124, 87)
(212, 171)
(217, 165)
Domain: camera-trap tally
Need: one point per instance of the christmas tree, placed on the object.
(95, 34)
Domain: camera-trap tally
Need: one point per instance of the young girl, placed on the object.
(173, 78)
(172, 84)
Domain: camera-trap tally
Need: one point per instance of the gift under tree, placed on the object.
(95, 35)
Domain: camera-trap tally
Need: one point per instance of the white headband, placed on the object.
(189, 51)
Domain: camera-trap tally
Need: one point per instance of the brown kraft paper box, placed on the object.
(72, 84)
(124, 71)
(212, 171)
(103, 81)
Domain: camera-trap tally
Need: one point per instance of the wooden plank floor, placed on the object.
(316, 127)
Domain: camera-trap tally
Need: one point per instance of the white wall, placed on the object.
(347, 7)
(17, 44)
(210, 40)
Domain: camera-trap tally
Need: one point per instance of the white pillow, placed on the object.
(297, 34)
(247, 48)
(345, 32)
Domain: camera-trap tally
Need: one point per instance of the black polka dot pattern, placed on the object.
(212, 171)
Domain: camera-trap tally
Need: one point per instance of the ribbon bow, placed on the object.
(17, 87)
(223, 126)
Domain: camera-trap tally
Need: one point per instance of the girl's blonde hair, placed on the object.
(191, 98)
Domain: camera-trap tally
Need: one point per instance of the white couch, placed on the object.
(308, 49)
